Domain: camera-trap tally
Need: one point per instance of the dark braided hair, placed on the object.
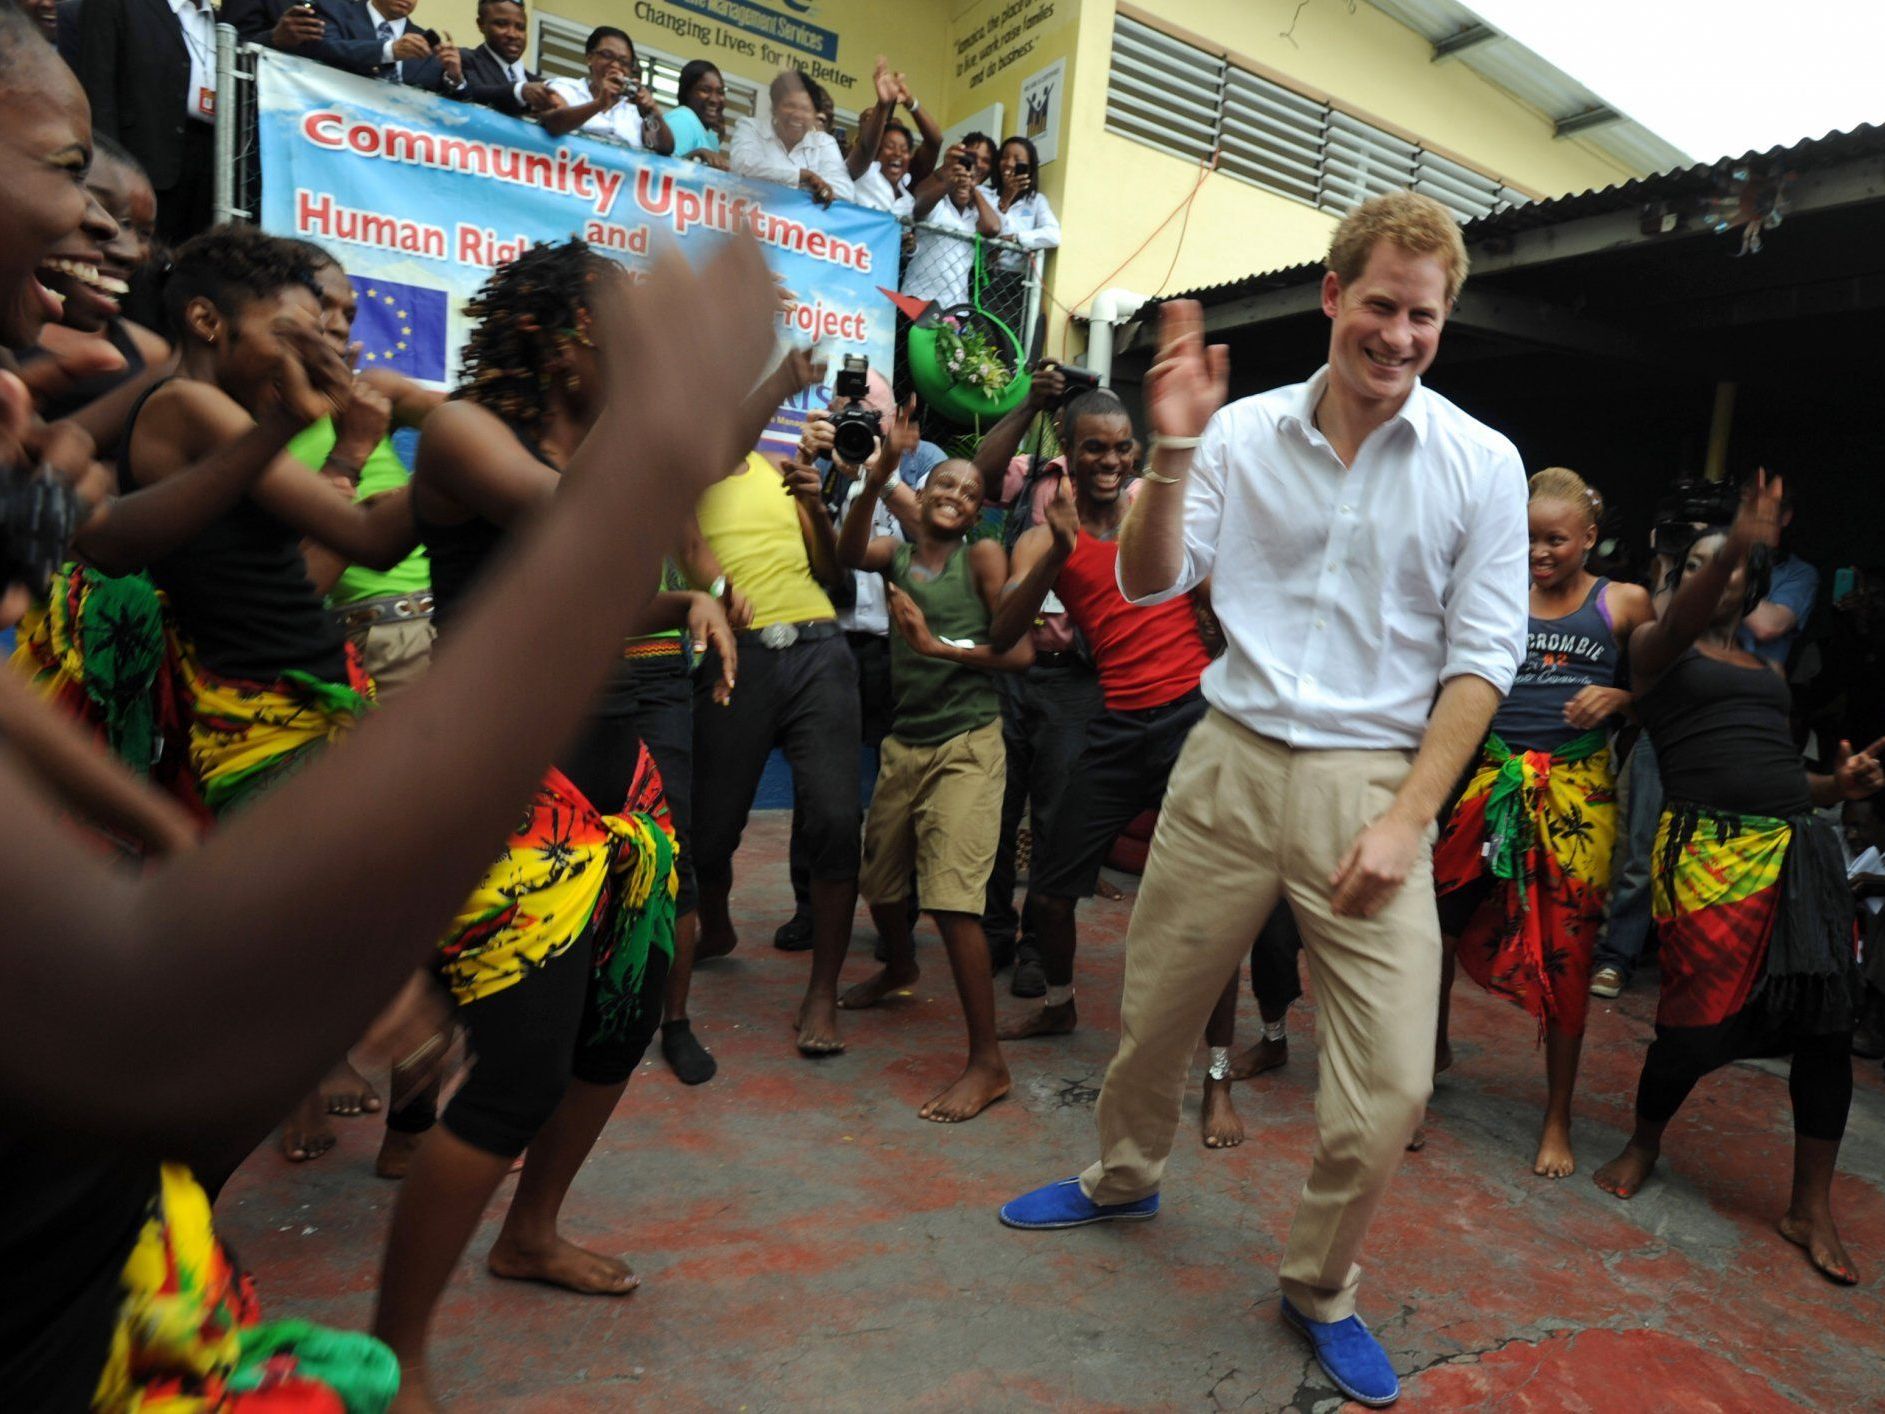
(525, 315)
(231, 265)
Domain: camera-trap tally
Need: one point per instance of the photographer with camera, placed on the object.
(951, 207)
(1026, 219)
(613, 101)
(861, 424)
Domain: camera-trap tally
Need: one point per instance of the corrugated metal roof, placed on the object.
(1534, 81)
(1698, 180)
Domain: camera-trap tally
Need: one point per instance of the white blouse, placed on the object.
(757, 152)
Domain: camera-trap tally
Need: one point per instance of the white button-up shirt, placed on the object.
(198, 23)
(757, 152)
(874, 190)
(621, 120)
(939, 270)
(1349, 594)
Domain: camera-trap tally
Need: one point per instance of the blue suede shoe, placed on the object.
(1064, 1205)
(1352, 1358)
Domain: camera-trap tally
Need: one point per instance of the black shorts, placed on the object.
(1121, 773)
(664, 718)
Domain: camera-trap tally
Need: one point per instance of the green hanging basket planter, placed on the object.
(946, 391)
(934, 342)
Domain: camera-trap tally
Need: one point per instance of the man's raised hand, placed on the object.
(1188, 381)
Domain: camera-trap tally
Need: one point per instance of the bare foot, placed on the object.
(396, 1151)
(975, 1090)
(1419, 1140)
(818, 1028)
(1555, 1159)
(1265, 1055)
(1624, 1175)
(715, 943)
(1816, 1233)
(566, 1265)
(1442, 1057)
(306, 1134)
(889, 981)
(345, 1091)
(1047, 1021)
(1108, 890)
(1222, 1128)
(415, 1392)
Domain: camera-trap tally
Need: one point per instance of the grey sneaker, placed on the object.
(1607, 982)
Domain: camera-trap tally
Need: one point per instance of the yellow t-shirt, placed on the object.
(753, 526)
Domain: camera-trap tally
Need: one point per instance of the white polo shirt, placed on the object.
(1349, 594)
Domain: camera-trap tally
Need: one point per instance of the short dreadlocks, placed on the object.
(525, 315)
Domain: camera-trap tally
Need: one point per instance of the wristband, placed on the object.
(913, 105)
(1175, 444)
(718, 589)
(1147, 474)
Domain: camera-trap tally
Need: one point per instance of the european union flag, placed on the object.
(400, 327)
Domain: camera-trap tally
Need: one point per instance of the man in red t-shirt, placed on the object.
(1149, 661)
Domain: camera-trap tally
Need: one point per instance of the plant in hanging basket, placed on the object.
(972, 359)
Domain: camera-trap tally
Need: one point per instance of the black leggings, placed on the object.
(1820, 1080)
(1274, 978)
(527, 1042)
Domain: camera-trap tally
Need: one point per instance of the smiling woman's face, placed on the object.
(45, 149)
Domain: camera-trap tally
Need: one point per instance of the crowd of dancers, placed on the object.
(270, 822)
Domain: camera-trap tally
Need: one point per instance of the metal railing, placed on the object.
(997, 278)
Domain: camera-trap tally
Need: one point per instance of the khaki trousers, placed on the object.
(1247, 819)
(395, 653)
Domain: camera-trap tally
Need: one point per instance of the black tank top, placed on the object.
(241, 592)
(1723, 738)
(90, 390)
(1562, 658)
(458, 553)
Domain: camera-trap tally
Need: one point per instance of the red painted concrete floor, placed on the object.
(806, 1242)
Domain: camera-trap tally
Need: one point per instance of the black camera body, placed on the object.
(856, 429)
(1079, 380)
(39, 514)
(1689, 507)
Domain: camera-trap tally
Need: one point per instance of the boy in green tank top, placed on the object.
(937, 807)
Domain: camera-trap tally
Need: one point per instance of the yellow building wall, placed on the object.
(1119, 191)
(1121, 203)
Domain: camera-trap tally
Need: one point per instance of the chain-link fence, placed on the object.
(989, 288)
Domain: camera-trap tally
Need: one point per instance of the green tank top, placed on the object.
(935, 700)
(382, 471)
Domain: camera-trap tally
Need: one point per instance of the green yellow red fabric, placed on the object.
(566, 867)
(246, 736)
(1539, 828)
(190, 1338)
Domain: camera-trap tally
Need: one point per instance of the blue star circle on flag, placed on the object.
(400, 327)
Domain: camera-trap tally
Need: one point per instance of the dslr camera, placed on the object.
(854, 431)
(39, 514)
(1691, 505)
(1079, 380)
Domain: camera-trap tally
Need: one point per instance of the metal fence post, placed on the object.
(229, 113)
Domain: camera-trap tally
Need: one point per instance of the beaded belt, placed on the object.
(639, 648)
(394, 608)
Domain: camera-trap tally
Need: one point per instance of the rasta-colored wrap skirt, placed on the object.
(1531, 839)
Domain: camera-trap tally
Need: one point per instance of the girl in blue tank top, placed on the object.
(1522, 866)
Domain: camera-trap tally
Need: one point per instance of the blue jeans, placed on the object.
(1628, 929)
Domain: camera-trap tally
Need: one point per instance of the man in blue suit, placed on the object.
(379, 40)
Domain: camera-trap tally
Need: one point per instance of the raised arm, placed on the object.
(1693, 606)
(870, 127)
(1186, 386)
(857, 548)
(129, 531)
(1038, 558)
(923, 160)
(347, 874)
(1000, 443)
